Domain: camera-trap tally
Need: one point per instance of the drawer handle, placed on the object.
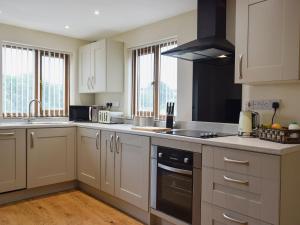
(236, 181)
(236, 161)
(234, 220)
(7, 134)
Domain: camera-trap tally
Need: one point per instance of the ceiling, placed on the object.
(115, 16)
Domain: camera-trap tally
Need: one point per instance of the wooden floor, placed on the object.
(67, 208)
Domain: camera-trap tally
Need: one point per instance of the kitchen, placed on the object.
(138, 171)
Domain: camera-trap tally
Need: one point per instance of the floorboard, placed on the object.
(66, 208)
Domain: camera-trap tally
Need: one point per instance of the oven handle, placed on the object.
(175, 170)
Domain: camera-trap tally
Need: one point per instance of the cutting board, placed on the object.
(151, 129)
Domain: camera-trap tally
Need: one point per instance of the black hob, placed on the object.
(197, 133)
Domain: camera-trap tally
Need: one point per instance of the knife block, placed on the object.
(170, 122)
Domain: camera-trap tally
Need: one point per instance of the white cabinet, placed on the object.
(125, 167)
(12, 160)
(101, 67)
(50, 156)
(132, 169)
(88, 156)
(267, 40)
(108, 162)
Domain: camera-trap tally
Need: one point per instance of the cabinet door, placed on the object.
(108, 162)
(132, 169)
(50, 156)
(98, 66)
(88, 156)
(267, 40)
(85, 85)
(12, 160)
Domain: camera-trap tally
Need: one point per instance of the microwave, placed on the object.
(79, 113)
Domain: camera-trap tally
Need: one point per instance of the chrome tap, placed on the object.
(29, 110)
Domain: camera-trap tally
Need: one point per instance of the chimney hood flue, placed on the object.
(211, 43)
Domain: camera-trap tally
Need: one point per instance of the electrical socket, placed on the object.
(262, 104)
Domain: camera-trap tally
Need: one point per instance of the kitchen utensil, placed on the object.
(151, 129)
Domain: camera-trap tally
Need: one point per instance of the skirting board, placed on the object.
(24, 194)
(127, 208)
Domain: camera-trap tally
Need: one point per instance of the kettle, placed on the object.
(248, 123)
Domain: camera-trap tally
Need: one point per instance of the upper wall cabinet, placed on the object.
(101, 67)
(267, 40)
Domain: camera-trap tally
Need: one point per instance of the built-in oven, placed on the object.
(176, 183)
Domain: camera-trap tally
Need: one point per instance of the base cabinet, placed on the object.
(12, 160)
(88, 157)
(125, 167)
(50, 156)
(132, 169)
(108, 162)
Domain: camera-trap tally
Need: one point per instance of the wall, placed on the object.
(51, 41)
(184, 28)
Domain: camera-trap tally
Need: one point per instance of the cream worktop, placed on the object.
(248, 144)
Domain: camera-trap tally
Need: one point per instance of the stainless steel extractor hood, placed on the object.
(211, 40)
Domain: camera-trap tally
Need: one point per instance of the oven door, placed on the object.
(174, 192)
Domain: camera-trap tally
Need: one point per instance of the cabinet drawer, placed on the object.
(249, 163)
(248, 195)
(213, 215)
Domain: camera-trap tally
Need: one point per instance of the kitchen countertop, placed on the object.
(248, 144)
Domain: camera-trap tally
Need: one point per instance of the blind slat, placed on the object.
(20, 81)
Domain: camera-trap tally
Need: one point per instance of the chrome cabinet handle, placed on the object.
(236, 181)
(88, 84)
(225, 216)
(241, 66)
(118, 144)
(97, 140)
(7, 134)
(111, 143)
(32, 140)
(236, 161)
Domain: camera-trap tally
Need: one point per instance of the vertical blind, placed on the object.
(154, 79)
(29, 73)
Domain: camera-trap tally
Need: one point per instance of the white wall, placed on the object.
(51, 41)
(183, 27)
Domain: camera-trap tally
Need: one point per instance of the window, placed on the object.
(29, 73)
(154, 80)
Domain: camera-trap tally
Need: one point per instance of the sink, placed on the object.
(47, 122)
(39, 122)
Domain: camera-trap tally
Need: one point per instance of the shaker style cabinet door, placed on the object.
(88, 156)
(98, 66)
(101, 67)
(132, 169)
(267, 40)
(85, 81)
(12, 160)
(50, 156)
(108, 162)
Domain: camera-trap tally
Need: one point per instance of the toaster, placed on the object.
(110, 117)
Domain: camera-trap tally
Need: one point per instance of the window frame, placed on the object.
(38, 85)
(39, 92)
(156, 49)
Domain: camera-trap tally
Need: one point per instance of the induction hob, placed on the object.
(197, 133)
